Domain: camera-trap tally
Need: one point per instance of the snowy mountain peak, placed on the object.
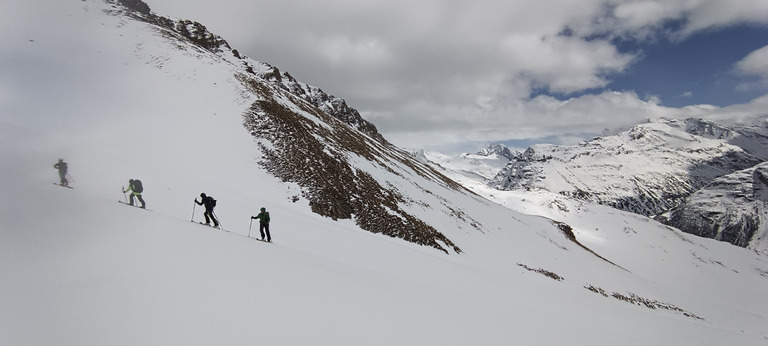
(482, 165)
(708, 129)
(647, 169)
(497, 149)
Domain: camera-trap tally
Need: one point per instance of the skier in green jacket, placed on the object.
(136, 189)
(263, 223)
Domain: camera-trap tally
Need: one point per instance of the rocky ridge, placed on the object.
(733, 208)
(199, 35)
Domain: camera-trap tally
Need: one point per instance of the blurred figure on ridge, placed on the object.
(62, 167)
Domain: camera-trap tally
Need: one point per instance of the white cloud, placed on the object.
(714, 13)
(540, 117)
(671, 19)
(756, 63)
(563, 64)
(344, 51)
(453, 71)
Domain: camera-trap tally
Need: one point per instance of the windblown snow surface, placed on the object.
(117, 100)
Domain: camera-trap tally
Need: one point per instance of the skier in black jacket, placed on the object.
(209, 204)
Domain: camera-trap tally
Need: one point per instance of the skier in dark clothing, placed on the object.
(263, 223)
(209, 204)
(136, 188)
(62, 167)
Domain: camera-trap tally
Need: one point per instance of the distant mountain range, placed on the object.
(646, 170)
(663, 166)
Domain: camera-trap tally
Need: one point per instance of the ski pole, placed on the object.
(213, 213)
(70, 178)
(194, 204)
(249, 228)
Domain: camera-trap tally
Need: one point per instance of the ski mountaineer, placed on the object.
(136, 188)
(62, 167)
(263, 223)
(209, 204)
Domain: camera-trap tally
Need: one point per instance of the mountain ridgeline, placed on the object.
(345, 168)
(200, 36)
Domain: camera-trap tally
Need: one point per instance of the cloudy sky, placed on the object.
(454, 75)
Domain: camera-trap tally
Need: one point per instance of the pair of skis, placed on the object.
(209, 225)
(225, 230)
(131, 205)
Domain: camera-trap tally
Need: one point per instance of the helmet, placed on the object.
(202, 195)
(130, 180)
(263, 209)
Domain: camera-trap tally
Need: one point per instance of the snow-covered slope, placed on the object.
(647, 170)
(316, 141)
(733, 208)
(81, 269)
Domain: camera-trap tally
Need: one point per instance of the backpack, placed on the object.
(137, 187)
(213, 202)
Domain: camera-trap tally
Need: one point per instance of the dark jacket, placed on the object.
(263, 217)
(135, 186)
(208, 202)
(61, 166)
